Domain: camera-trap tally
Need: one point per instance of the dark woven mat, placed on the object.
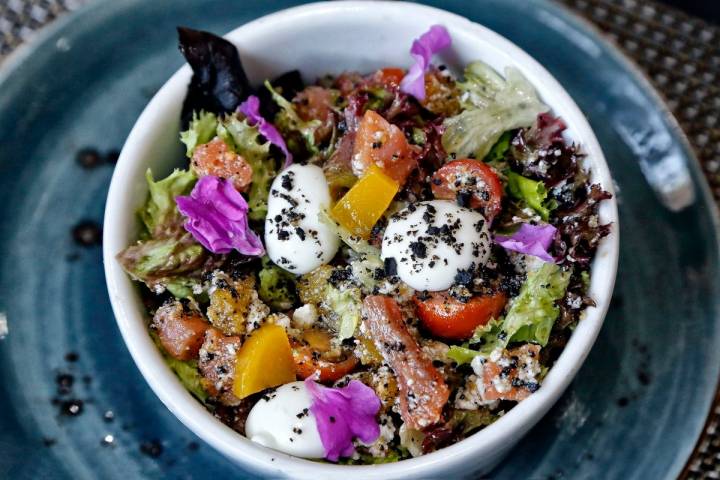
(680, 55)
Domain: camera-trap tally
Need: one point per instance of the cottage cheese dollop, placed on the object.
(295, 239)
(430, 242)
(282, 420)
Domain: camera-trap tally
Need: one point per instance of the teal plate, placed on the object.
(635, 409)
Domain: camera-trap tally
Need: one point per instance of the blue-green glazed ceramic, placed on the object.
(73, 404)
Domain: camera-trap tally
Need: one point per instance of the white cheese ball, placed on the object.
(295, 238)
(282, 420)
(431, 242)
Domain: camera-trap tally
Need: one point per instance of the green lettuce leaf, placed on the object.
(245, 140)
(530, 318)
(277, 286)
(492, 106)
(288, 120)
(201, 130)
(166, 256)
(534, 311)
(189, 376)
(461, 355)
(183, 287)
(165, 262)
(186, 371)
(160, 212)
(392, 455)
(468, 421)
(497, 152)
(532, 192)
(365, 259)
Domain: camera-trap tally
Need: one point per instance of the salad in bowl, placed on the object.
(371, 266)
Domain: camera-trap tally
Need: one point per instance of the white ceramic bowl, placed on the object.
(332, 37)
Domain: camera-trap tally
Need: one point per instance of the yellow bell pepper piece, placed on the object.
(265, 360)
(363, 205)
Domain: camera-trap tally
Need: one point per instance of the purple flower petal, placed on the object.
(251, 109)
(343, 414)
(423, 48)
(531, 240)
(217, 217)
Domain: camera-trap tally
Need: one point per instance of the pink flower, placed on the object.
(343, 414)
(423, 48)
(531, 240)
(251, 109)
(217, 217)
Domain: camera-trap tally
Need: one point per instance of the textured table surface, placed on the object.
(679, 54)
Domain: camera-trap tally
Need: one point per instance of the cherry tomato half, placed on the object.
(446, 317)
(471, 182)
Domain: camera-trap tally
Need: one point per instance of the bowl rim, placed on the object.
(192, 414)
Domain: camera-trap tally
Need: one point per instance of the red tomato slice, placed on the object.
(469, 181)
(381, 143)
(307, 364)
(446, 317)
(423, 392)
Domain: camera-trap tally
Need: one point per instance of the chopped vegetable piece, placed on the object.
(218, 357)
(514, 376)
(381, 143)
(181, 329)
(308, 363)
(229, 303)
(423, 392)
(312, 286)
(471, 183)
(265, 360)
(446, 317)
(390, 77)
(317, 103)
(361, 207)
(216, 159)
